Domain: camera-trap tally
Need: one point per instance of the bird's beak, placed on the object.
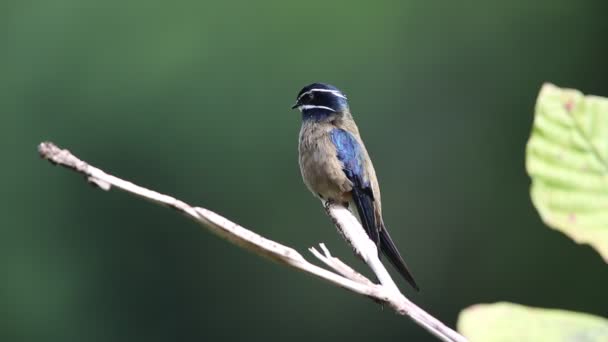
(296, 105)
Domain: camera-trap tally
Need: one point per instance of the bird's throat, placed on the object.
(317, 114)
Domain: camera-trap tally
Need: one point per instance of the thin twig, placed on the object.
(338, 265)
(346, 223)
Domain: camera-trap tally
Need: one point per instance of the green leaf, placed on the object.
(567, 158)
(513, 322)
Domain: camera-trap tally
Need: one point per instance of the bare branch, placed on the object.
(346, 223)
(339, 266)
(366, 249)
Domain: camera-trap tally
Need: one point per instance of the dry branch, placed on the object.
(387, 292)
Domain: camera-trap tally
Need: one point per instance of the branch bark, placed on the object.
(344, 276)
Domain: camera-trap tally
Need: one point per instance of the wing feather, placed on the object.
(352, 157)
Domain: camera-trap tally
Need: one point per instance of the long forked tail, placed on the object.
(373, 225)
(390, 250)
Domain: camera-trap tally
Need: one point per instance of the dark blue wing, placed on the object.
(351, 155)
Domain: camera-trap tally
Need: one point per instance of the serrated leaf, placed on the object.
(567, 159)
(505, 322)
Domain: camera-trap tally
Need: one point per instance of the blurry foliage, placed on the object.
(567, 158)
(508, 322)
(192, 98)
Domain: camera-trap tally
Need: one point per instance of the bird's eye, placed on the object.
(309, 97)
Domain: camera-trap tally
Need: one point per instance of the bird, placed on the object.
(336, 167)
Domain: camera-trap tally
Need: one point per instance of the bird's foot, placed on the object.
(329, 202)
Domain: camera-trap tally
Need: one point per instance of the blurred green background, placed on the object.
(192, 98)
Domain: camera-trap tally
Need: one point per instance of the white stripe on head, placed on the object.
(335, 92)
(304, 107)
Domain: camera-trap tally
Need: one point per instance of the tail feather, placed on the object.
(365, 206)
(390, 250)
(373, 225)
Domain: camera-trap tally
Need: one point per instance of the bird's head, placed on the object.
(319, 99)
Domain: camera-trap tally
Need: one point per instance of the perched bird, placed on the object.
(335, 165)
